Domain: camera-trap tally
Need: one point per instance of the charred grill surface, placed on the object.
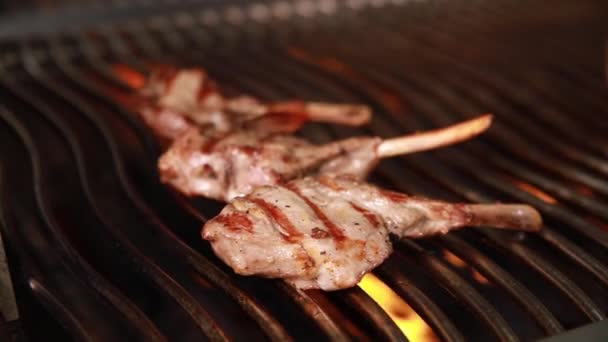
(83, 211)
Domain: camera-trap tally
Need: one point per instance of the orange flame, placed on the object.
(410, 323)
(453, 259)
(480, 278)
(533, 190)
(457, 262)
(129, 75)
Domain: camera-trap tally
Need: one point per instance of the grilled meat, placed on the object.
(233, 165)
(179, 99)
(327, 232)
(228, 165)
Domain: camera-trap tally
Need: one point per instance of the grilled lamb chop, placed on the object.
(326, 233)
(186, 98)
(225, 166)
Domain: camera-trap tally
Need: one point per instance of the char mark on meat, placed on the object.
(251, 158)
(364, 214)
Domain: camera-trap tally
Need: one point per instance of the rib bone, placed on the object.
(435, 138)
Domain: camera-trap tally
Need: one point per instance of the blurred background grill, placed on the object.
(99, 250)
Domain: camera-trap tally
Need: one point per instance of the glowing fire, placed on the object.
(536, 192)
(129, 75)
(412, 325)
(453, 259)
(480, 278)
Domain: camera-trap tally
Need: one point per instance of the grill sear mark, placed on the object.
(335, 231)
(394, 196)
(229, 174)
(280, 218)
(236, 222)
(206, 89)
(369, 216)
(212, 142)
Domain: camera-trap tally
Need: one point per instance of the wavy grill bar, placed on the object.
(101, 251)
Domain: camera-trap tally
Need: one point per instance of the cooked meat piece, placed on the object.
(183, 98)
(167, 124)
(232, 165)
(179, 89)
(225, 166)
(327, 232)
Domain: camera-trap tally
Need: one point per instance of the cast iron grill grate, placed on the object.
(109, 253)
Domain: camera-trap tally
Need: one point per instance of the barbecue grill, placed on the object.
(100, 250)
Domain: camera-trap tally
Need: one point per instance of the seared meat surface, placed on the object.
(327, 232)
(234, 164)
(180, 99)
(223, 166)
